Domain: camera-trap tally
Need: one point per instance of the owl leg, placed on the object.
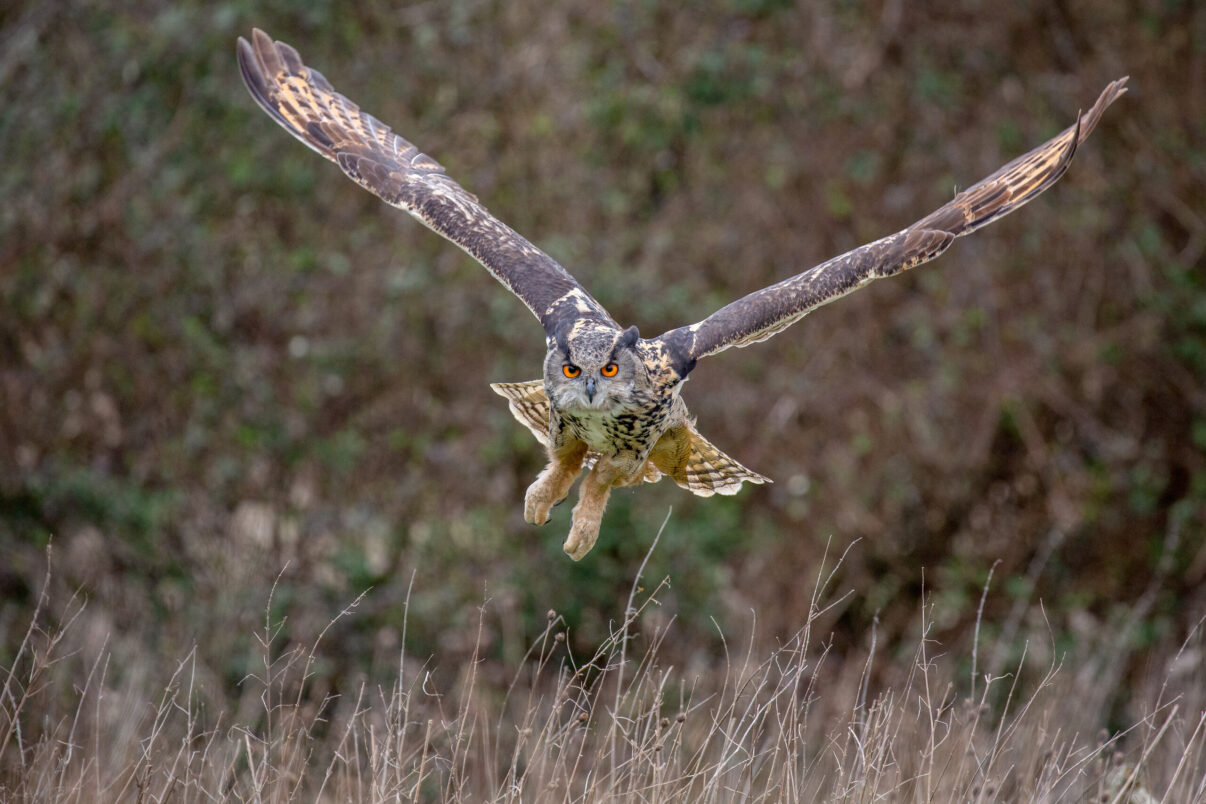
(553, 483)
(588, 513)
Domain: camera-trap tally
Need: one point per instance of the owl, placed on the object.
(609, 400)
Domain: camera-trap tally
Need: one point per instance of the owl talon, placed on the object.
(582, 536)
(551, 487)
(537, 508)
(577, 547)
(534, 512)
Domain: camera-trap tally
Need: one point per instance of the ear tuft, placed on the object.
(629, 338)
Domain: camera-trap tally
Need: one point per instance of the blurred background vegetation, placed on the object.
(221, 362)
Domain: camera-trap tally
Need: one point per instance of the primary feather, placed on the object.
(765, 312)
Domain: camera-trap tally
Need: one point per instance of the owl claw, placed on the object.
(550, 489)
(575, 549)
(534, 513)
(536, 509)
(582, 538)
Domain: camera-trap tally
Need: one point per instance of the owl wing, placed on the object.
(765, 312)
(304, 102)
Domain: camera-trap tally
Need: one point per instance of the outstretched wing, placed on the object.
(762, 313)
(304, 102)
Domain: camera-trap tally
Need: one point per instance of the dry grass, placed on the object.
(82, 721)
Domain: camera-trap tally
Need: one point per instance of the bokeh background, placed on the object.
(224, 366)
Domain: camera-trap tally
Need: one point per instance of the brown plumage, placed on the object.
(765, 312)
(609, 400)
(690, 460)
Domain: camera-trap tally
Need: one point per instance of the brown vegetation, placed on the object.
(615, 725)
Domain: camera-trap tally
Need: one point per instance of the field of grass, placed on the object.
(261, 532)
(84, 719)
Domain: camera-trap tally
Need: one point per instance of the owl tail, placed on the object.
(709, 471)
(528, 404)
(688, 458)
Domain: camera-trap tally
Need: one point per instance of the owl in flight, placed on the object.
(609, 399)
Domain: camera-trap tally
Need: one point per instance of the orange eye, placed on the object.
(610, 370)
(570, 370)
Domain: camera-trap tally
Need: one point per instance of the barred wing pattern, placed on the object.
(305, 104)
(765, 312)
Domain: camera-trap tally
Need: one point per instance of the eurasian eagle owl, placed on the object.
(609, 399)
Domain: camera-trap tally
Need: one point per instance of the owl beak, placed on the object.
(590, 389)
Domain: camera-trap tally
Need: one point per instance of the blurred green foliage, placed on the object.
(218, 358)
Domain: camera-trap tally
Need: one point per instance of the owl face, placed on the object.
(594, 371)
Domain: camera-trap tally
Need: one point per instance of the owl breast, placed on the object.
(610, 434)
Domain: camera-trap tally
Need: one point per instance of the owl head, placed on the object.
(594, 368)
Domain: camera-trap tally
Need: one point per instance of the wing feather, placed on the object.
(301, 100)
(765, 312)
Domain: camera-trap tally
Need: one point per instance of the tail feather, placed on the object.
(709, 471)
(528, 404)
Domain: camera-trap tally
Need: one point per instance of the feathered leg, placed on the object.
(592, 498)
(588, 513)
(553, 483)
